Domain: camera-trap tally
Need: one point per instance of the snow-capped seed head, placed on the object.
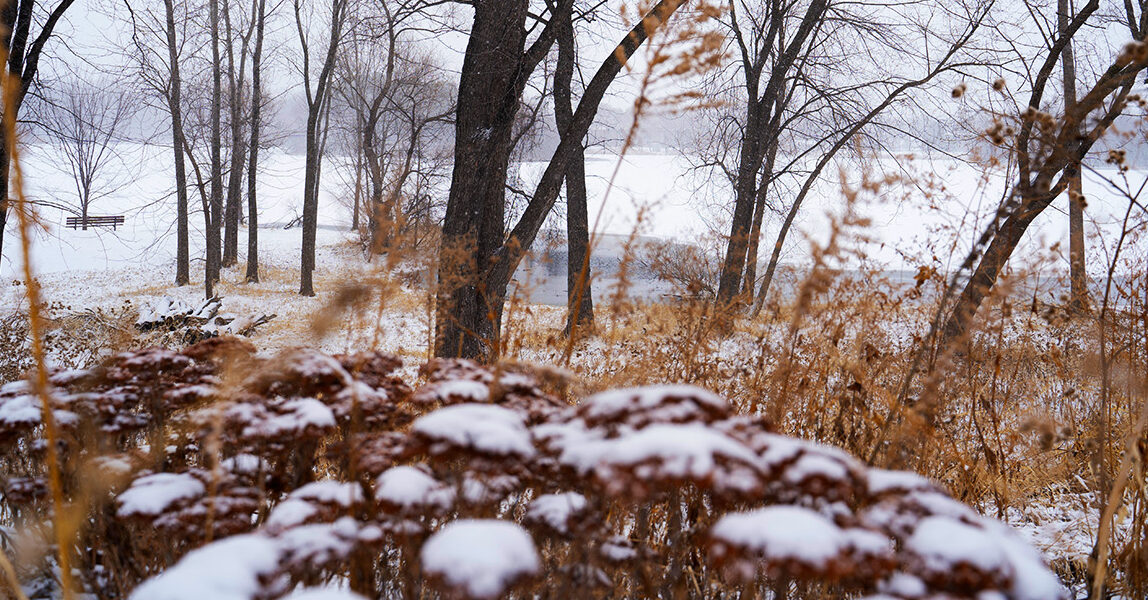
(556, 513)
(479, 559)
(656, 404)
(409, 490)
(474, 429)
(797, 543)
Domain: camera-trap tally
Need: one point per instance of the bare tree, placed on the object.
(260, 18)
(318, 95)
(477, 259)
(811, 79)
(579, 291)
(82, 121)
(1078, 276)
(215, 207)
(159, 72)
(764, 43)
(237, 81)
(397, 105)
(1047, 149)
(19, 19)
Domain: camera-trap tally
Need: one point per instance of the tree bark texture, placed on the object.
(1078, 276)
(260, 16)
(316, 105)
(212, 267)
(579, 292)
(175, 109)
(469, 308)
(475, 266)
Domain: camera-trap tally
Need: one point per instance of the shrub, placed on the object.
(215, 473)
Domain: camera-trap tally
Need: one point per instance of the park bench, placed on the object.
(93, 221)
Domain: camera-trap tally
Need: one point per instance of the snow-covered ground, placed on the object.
(658, 195)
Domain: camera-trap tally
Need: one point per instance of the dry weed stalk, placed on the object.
(63, 535)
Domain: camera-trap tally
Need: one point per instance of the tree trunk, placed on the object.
(182, 253)
(357, 197)
(745, 194)
(1078, 276)
(5, 165)
(374, 205)
(990, 266)
(213, 248)
(238, 152)
(315, 113)
(755, 133)
(253, 147)
(469, 310)
(750, 280)
(310, 205)
(579, 293)
(472, 282)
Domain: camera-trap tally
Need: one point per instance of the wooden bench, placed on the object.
(93, 221)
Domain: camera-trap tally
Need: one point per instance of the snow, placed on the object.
(777, 449)
(815, 465)
(290, 513)
(20, 410)
(786, 533)
(618, 549)
(681, 450)
(225, 570)
(1032, 579)
(556, 510)
(244, 464)
(297, 416)
(330, 492)
(664, 403)
(944, 543)
(324, 594)
(320, 543)
(481, 557)
(409, 487)
(479, 427)
(881, 481)
(461, 389)
(113, 465)
(151, 495)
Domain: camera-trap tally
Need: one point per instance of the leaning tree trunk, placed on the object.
(579, 293)
(469, 311)
(990, 266)
(745, 194)
(751, 252)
